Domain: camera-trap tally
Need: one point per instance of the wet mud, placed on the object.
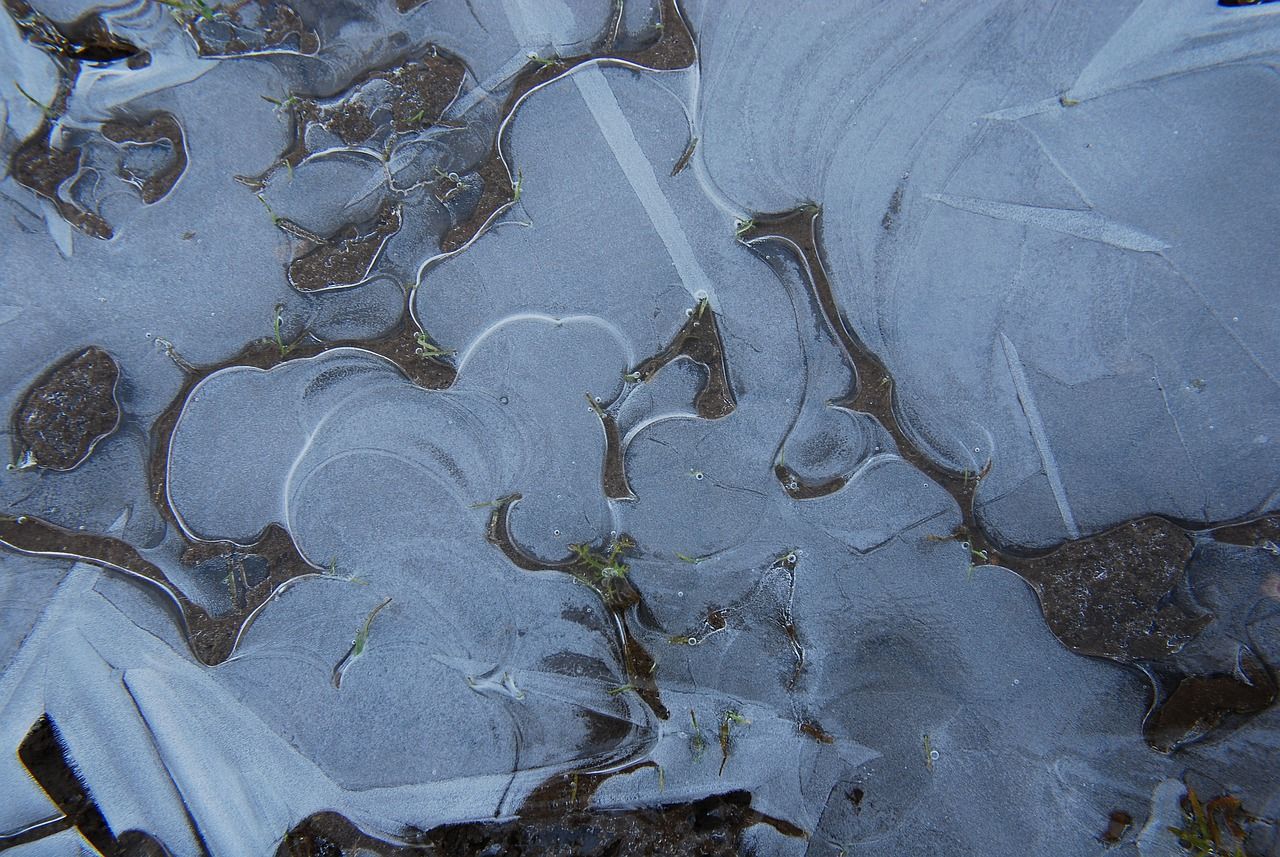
(346, 258)
(1118, 824)
(698, 340)
(37, 164)
(1110, 595)
(43, 169)
(602, 570)
(711, 827)
(67, 411)
(672, 49)
(1117, 595)
(417, 94)
(801, 489)
(613, 477)
(1261, 533)
(245, 28)
(46, 170)
(151, 131)
(253, 573)
(1197, 704)
(212, 637)
(1121, 594)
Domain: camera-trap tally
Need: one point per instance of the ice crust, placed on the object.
(1052, 223)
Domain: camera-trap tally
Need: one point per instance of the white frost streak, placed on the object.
(1163, 38)
(1038, 434)
(537, 27)
(600, 100)
(1081, 223)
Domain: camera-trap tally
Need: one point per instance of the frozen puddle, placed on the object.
(579, 427)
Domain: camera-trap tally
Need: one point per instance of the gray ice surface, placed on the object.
(1053, 223)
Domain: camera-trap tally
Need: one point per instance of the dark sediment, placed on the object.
(672, 49)
(602, 570)
(225, 33)
(419, 92)
(68, 410)
(711, 827)
(152, 130)
(43, 169)
(698, 340)
(1113, 595)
